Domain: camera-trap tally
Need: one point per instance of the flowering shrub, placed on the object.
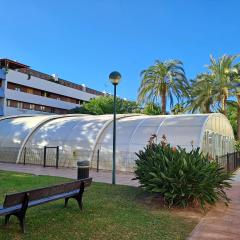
(182, 178)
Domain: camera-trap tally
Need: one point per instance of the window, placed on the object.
(32, 106)
(17, 89)
(30, 90)
(19, 105)
(44, 94)
(42, 108)
(26, 105)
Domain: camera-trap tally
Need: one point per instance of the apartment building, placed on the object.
(27, 91)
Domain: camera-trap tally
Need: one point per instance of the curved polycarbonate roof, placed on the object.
(14, 130)
(90, 137)
(72, 131)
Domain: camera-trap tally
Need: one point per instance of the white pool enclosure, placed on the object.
(86, 137)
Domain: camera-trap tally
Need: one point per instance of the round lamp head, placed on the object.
(115, 77)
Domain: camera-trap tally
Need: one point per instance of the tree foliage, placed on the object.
(104, 105)
(222, 70)
(178, 109)
(182, 178)
(163, 81)
(210, 91)
(152, 109)
(202, 96)
(232, 115)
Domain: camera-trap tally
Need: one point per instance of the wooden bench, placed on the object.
(16, 204)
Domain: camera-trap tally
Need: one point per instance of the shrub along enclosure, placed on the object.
(182, 178)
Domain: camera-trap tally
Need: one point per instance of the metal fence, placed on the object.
(230, 161)
(8, 154)
(101, 160)
(59, 157)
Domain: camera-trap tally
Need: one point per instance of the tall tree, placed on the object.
(235, 91)
(202, 94)
(221, 69)
(161, 81)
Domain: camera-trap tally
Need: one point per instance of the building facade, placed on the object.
(27, 91)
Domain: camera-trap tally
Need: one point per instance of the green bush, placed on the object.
(237, 146)
(182, 178)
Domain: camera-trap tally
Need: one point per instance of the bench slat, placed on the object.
(52, 198)
(5, 211)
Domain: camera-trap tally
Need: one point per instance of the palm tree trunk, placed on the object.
(238, 117)
(164, 100)
(207, 108)
(224, 101)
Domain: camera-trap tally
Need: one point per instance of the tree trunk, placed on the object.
(207, 108)
(238, 117)
(164, 101)
(224, 100)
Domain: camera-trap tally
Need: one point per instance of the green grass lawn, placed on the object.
(110, 212)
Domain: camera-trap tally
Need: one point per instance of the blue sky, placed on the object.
(84, 40)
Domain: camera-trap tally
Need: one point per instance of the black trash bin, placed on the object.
(83, 169)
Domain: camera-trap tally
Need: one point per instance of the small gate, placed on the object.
(51, 156)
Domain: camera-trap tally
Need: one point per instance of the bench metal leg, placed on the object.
(66, 201)
(7, 217)
(20, 214)
(79, 200)
(80, 195)
(77, 197)
(21, 222)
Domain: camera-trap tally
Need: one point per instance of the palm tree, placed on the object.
(161, 81)
(235, 90)
(178, 109)
(202, 94)
(221, 69)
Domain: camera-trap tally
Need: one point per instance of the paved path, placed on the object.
(222, 222)
(101, 176)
